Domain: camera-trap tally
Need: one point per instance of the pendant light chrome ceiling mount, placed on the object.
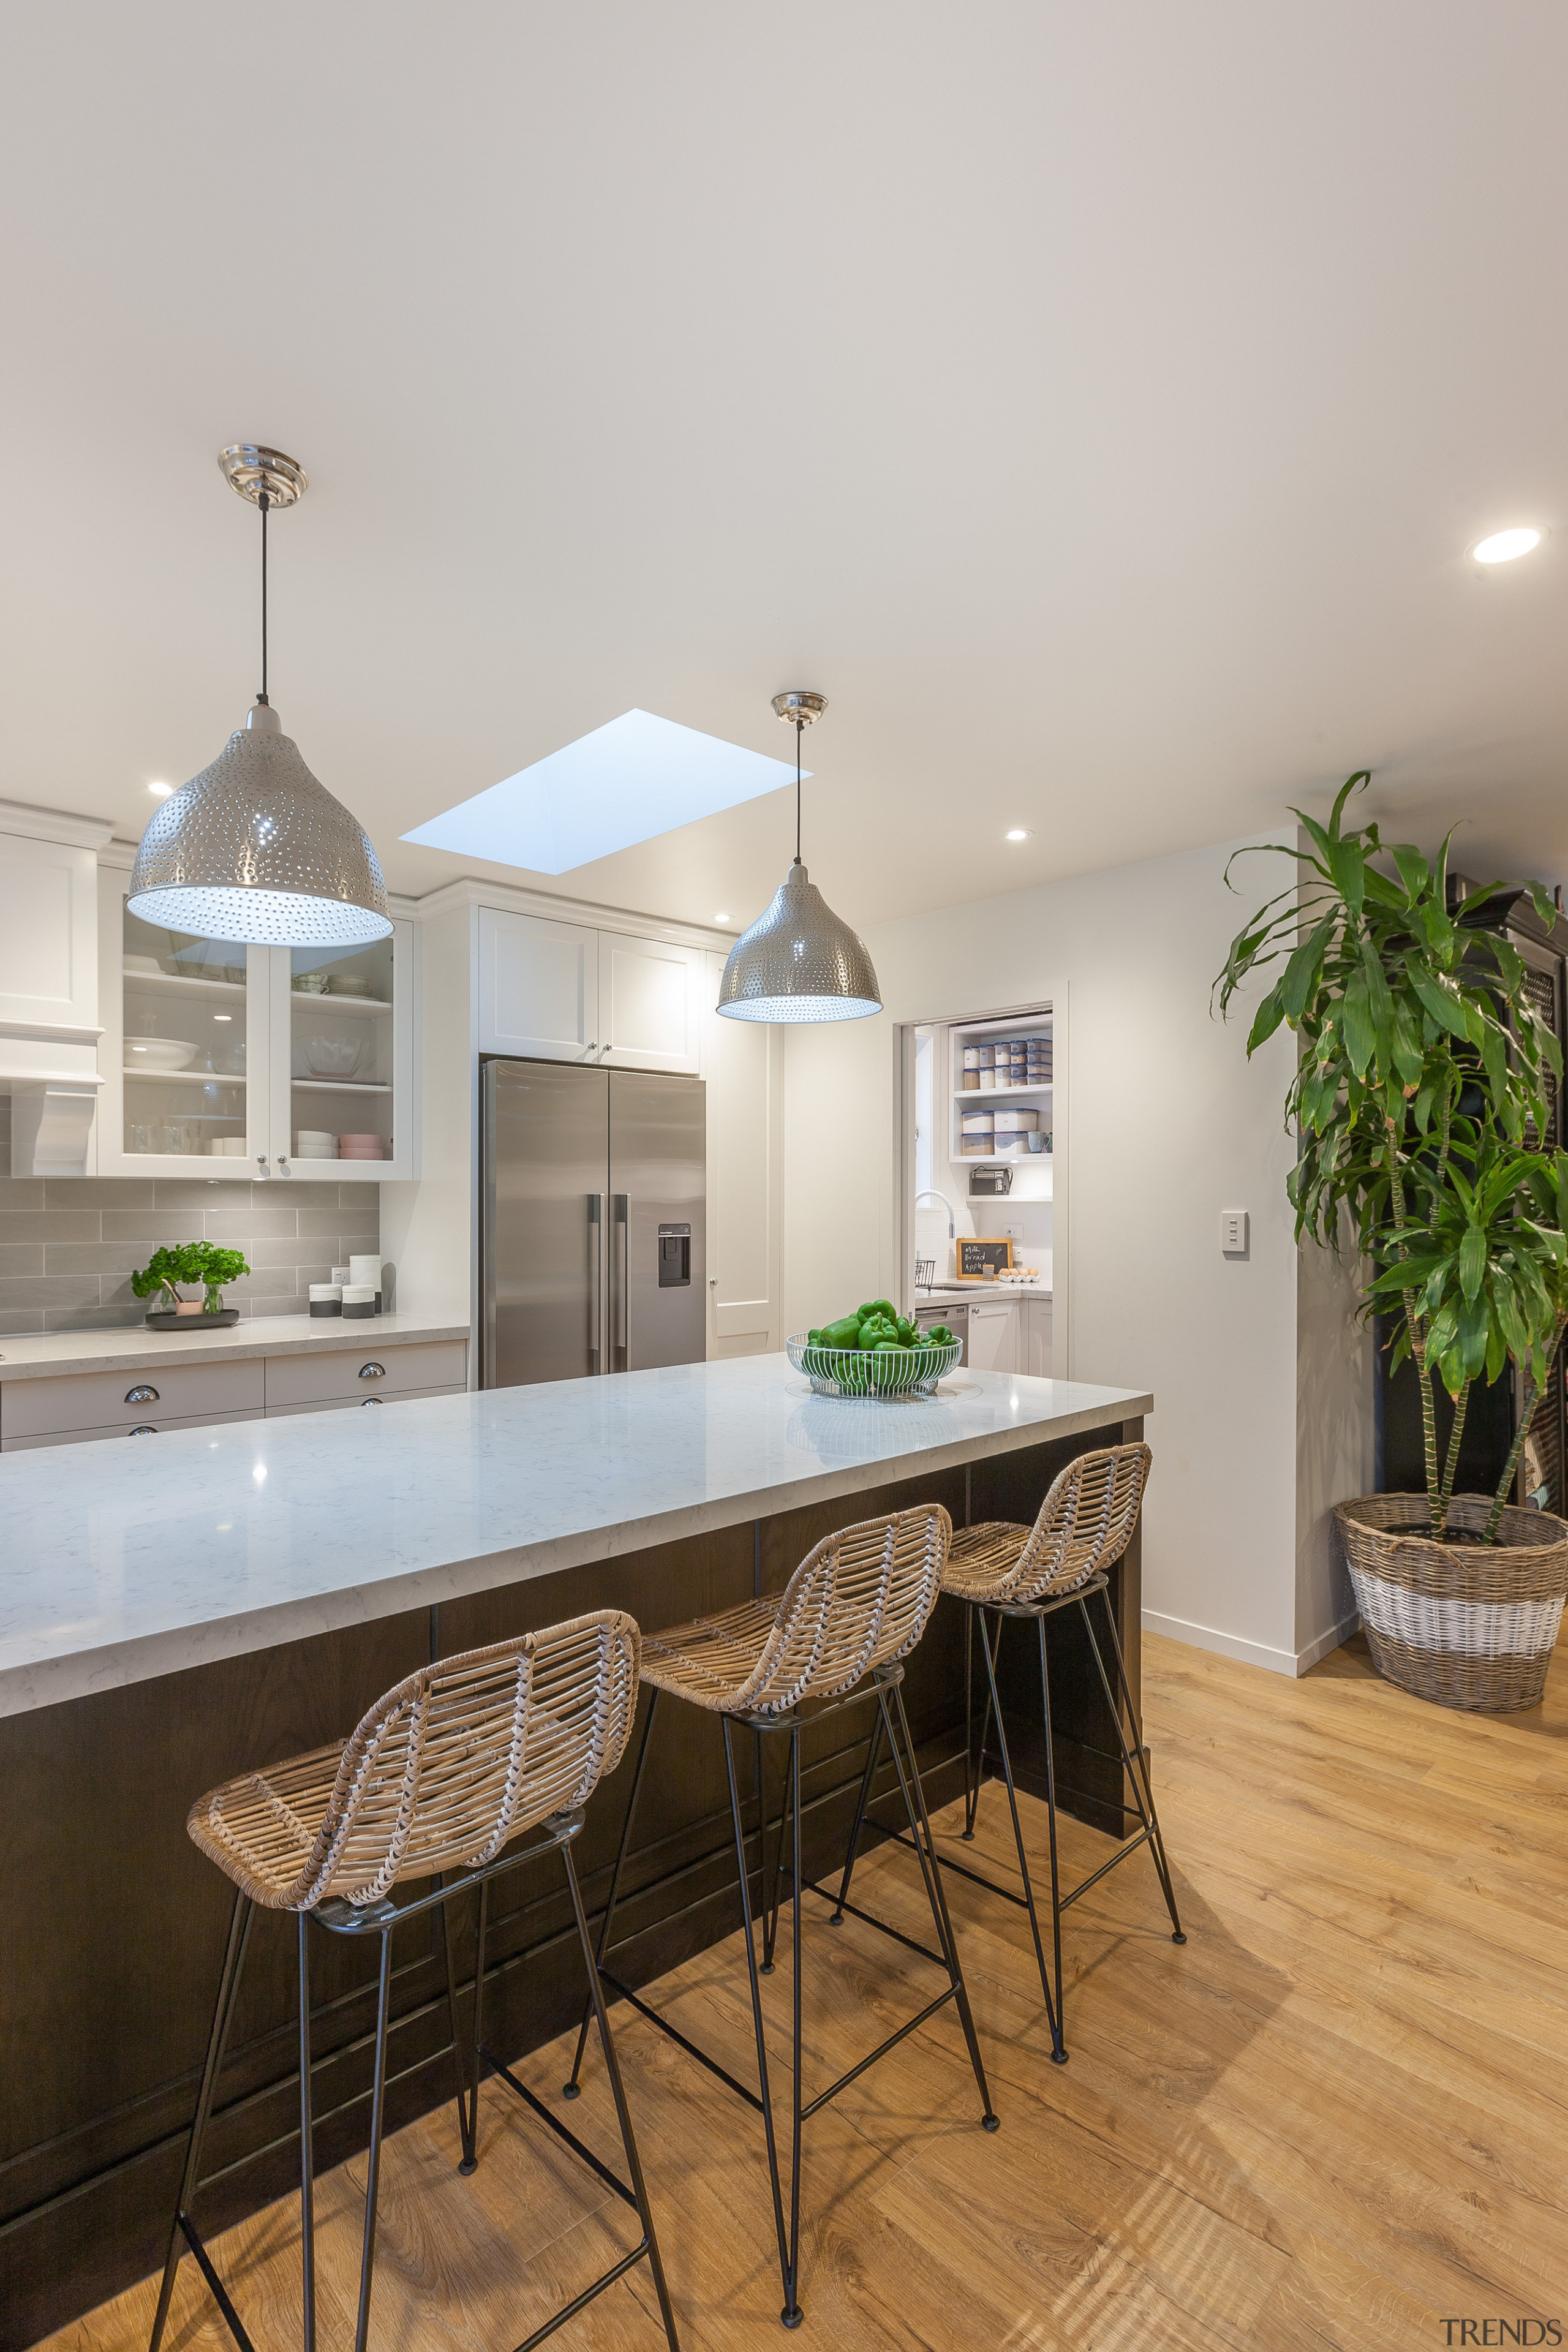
(258, 473)
(798, 962)
(253, 848)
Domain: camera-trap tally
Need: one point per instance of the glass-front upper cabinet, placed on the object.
(342, 1060)
(191, 1008)
(276, 1062)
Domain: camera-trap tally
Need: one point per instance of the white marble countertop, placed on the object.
(118, 1562)
(945, 1294)
(52, 1352)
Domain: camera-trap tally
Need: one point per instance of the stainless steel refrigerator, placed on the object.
(593, 1254)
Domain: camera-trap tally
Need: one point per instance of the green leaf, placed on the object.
(1361, 1038)
(1439, 996)
(1302, 969)
(1269, 1016)
(1413, 870)
(1472, 1261)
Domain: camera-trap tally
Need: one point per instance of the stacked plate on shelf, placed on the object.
(311, 1144)
(361, 1147)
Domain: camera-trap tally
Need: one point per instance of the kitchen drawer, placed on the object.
(353, 1403)
(163, 1422)
(416, 1364)
(102, 1401)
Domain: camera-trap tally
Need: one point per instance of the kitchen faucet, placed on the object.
(947, 1205)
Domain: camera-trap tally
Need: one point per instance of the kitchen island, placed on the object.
(170, 1614)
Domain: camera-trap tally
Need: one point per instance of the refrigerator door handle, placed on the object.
(622, 1274)
(596, 1277)
(487, 1231)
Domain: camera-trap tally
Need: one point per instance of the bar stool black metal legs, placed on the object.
(853, 1608)
(892, 1723)
(452, 1766)
(1003, 1572)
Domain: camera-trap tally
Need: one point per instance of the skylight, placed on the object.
(626, 781)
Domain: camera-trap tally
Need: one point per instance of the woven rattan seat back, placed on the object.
(441, 1774)
(1084, 1525)
(859, 1599)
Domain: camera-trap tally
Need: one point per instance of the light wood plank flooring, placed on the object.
(1338, 2117)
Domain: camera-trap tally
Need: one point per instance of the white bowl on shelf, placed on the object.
(159, 1053)
(333, 1057)
(142, 965)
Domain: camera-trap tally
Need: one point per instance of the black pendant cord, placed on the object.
(799, 730)
(263, 503)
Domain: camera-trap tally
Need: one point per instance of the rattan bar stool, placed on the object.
(441, 1776)
(854, 1609)
(1001, 1570)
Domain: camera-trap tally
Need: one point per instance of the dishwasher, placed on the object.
(956, 1320)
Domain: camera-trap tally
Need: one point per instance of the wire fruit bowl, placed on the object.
(866, 1373)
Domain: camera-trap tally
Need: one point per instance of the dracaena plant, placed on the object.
(1423, 1079)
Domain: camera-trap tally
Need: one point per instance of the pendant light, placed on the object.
(798, 961)
(253, 848)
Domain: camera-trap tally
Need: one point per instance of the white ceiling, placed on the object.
(1095, 403)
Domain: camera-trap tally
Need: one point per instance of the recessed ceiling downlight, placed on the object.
(1018, 833)
(1503, 546)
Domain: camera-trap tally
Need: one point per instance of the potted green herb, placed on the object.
(204, 1262)
(1420, 1087)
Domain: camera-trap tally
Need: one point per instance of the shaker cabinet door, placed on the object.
(992, 1345)
(539, 988)
(1037, 1337)
(650, 1003)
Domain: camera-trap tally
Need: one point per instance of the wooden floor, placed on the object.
(1338, 2117)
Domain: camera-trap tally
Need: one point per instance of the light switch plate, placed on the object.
(1232, 1232)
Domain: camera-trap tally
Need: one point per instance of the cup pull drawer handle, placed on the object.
(141, 1396)
(365, 1401)
(373, 1372)
(143, 1429)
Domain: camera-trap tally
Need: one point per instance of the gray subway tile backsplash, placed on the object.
(68, 1244)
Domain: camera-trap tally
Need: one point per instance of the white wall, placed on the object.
(428, 1228)
(1160, 1123)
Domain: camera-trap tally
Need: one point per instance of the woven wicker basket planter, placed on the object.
(1453, 1622)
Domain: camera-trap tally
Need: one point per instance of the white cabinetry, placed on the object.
(48, 987)
(650, 1004)
(539, 988)
(743, 1062)
(1034, 1354)
(257, 1062)
(993, 1335)
(48, 942)
(145, 1400)
(559, 993)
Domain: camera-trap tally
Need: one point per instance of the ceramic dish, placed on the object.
(159, 1053)
(333, 1057)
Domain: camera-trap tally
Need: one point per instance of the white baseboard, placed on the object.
(1251, 1653)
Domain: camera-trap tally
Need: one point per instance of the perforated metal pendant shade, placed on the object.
(798, 962)
(253, 848)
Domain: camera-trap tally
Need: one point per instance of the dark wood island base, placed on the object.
(112, 1925)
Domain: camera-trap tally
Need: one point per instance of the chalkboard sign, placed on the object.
(976, 1257)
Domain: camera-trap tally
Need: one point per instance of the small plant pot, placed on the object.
(224, 1321)
(1466, 1625)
